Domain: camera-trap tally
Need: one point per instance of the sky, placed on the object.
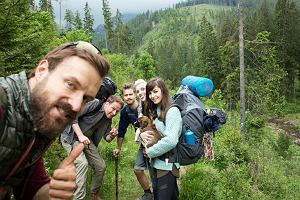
(124, 6)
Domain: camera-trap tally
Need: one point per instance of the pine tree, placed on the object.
(77, 21)
(46, 5)
(208, 51)
(88, 20)
(108, 24)
(118, 31)
(286, 36)
(69, 19)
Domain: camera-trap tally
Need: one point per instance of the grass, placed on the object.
(129, 187)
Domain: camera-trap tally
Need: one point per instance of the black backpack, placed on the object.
(108, 87)
(195, 119)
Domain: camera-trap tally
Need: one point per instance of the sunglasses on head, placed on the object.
(84, 45)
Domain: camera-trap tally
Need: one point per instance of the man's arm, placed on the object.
(81, 137)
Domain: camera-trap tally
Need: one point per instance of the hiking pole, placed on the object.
(117, 177)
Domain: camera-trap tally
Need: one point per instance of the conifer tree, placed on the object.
(108, 24)
(208, 51)
(88, 20)
(46, 5)
(77, 21)
(287, 38)
(69, 19)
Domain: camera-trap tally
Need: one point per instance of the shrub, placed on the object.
(201, 182)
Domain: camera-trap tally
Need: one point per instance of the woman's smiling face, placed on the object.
(155, 95)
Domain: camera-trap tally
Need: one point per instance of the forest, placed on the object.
(193, 37)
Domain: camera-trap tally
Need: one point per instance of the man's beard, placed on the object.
(129, 102)
(40, 108)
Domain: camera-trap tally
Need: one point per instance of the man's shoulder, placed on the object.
(3, 103)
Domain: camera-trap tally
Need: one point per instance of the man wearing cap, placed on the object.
(36, 107)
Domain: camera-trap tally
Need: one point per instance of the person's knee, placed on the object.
(138, 172)
(100, 167)
(82, 163)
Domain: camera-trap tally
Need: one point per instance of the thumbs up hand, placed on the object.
(63, 182)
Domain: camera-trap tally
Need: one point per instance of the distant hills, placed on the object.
(125, 17)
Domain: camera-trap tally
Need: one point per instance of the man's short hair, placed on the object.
(111, 99)
(127, 86)
(81, 49)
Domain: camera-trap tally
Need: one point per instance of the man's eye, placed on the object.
(70, 85)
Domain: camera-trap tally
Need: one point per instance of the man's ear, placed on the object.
(42, 69)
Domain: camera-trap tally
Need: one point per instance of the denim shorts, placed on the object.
(141, 162)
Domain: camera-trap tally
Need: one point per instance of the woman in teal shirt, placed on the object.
(169, 123)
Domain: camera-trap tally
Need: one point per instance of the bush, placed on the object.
(201, 182)
(230, 148)
(283, 144)
(234, 183)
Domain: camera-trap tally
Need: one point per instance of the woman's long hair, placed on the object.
(150, 107)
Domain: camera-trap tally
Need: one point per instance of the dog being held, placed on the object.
(146, 124)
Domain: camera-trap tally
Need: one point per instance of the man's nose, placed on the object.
(76, 103)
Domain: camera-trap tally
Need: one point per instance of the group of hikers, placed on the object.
(57, 99)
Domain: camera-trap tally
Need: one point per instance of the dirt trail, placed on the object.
(280, 125)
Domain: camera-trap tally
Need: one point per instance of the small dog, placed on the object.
(146, 124)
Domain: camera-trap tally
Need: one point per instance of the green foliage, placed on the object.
(201, 182)
(122, 41)
(55, 154)
(264, 77)
(230, 148)
(173, 42)
(254, 121)
(88, 20)
(251, 169)
(216, 100)
(76, 35)
(77, 21)
(144, 62)
(208, 55)
(283, 144)
(122, 71)
(108, 24)
(235, 183)
(286, 35)
(69, 19)
(28, 42)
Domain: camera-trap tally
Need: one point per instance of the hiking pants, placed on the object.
(89, 156)
(167, 188)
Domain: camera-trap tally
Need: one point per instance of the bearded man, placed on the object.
(36, 107)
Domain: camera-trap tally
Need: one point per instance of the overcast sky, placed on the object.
(124, 6)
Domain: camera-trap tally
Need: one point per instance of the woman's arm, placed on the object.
(173, 127)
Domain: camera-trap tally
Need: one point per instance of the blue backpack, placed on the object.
(195, 119)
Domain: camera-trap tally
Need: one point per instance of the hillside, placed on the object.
(174, 33)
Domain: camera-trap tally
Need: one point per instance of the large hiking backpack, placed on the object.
(197, 120)
(108, 87)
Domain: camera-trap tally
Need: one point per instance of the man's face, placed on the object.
(111, 109)
(141, 91)
(57, 97)
(129, 96)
